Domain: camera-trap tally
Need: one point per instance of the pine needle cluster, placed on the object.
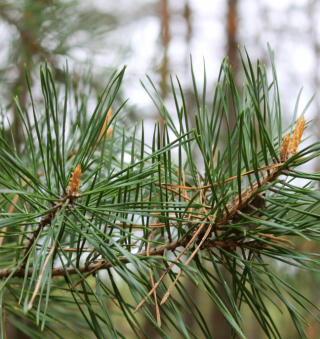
(211, 204)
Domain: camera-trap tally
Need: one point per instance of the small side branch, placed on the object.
(46, 220)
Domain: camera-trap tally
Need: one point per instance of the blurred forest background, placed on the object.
(156, 37)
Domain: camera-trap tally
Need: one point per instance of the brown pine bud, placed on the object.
(75, 181)
(289, 146)
(284, 148)
(296, 136)
(110, 129)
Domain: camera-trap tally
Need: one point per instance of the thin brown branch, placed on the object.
(102, 264)
(36, 232)
(240, 202)
(45, 221)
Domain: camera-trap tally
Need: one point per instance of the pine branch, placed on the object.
(102, 264)
(233, 209)
(45, 221)
(133, 194)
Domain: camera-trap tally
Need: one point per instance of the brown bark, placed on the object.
(165, 40)
(232, 50)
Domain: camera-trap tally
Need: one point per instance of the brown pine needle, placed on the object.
(184, 196)
(75, 181)
(272, 237)
(184, 184)
(170, 267)
(214, 157)
(36, 289)
(229, 179)
(265, 168)
(186, 263)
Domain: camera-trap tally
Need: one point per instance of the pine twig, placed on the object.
(46, 220)
(102, 264)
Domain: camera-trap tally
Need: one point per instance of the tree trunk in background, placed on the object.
(219, 327)
(148, 328)
(193, 292)
(187, 18)
(232, 48)
(14, 333)
(165, 40)
(232, 44)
